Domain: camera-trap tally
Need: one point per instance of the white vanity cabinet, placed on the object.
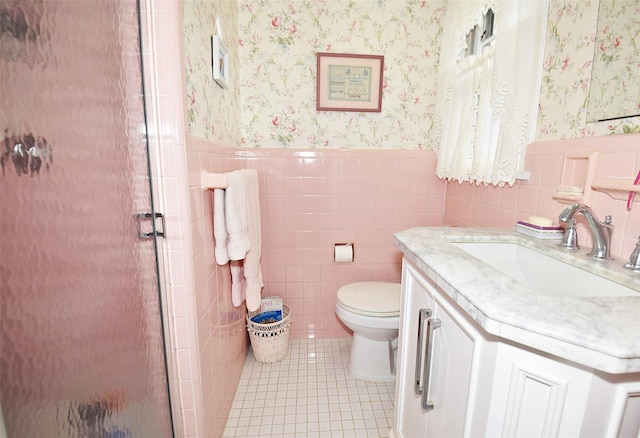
(435, 360)
(481, 384)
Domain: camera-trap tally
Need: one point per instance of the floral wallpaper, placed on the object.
(564, 94)
(279, 42)
(615, 83)
(213, 113)
(567, 68)
(273, 46)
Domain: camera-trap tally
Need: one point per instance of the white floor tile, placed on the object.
(310, 393)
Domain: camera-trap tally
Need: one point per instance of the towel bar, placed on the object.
(210, 181)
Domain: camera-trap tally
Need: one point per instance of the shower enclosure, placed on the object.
(81, 338)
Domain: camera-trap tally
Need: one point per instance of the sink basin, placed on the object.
(543, 274)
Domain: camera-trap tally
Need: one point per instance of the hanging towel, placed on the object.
(237, 209)
(252, 271)
(238, 282)
(237, 232)
(220, 227)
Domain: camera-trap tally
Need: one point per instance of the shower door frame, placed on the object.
(163, 77)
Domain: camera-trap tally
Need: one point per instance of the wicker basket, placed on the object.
(270, 342)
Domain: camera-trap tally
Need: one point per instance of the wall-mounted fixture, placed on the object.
(220, 61)
(578, 170)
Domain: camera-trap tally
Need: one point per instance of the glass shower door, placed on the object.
(81, 336)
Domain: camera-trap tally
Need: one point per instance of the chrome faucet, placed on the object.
(600, 231)
(634, 259)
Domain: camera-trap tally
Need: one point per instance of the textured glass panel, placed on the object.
(81, 351)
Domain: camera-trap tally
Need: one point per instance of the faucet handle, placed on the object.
(570, 239)
(634, 259)
(607, 219)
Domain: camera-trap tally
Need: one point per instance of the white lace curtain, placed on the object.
(487, 103)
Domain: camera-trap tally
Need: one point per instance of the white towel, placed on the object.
(237, 233)
(252, 272)
(220, 227)
(236, 210)
(238, 282)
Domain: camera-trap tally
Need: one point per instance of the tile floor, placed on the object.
(310, 393)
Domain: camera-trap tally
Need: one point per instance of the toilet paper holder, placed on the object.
(343, 252)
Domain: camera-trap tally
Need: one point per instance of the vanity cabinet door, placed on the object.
(410, 418)
(450, 377)
(446, 350)
(540, 396)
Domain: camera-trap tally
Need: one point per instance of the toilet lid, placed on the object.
(372, 298)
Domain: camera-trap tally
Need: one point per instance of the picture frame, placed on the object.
(349, 82)
(220, 61)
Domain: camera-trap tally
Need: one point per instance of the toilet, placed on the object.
(371, 310)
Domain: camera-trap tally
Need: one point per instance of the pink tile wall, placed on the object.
(313, 199)
(619, 156)
(221, 328)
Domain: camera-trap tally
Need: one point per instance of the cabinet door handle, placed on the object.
(422, 315)
(432, 324)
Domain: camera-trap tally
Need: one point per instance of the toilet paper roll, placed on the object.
(343, 253)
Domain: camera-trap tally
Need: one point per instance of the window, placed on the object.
(480, 36)
(488, 88)
(487, 30)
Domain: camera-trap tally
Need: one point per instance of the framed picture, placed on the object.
(348, 82)
(220, 61)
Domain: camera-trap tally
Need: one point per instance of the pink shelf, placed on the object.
(617, 188)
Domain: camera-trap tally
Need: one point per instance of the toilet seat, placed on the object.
(371, 298)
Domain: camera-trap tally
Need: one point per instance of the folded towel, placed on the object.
(237, 233)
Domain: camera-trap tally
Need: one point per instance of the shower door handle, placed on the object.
(153, 216)
(423, 372)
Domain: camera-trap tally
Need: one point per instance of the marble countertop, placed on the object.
(598, 332)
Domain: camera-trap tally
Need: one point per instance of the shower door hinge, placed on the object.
(153, 216)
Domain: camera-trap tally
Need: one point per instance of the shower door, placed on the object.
(81, 335)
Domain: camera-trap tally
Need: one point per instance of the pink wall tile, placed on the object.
(528, 199)
(550, 169)
(509, 197)
(619, 156)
